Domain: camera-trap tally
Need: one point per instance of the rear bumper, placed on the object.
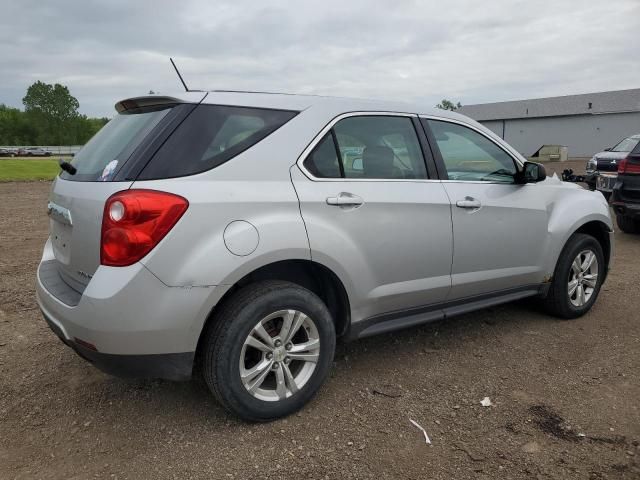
(627, 209)
(139, 326)
(169, 366)
(625, 198)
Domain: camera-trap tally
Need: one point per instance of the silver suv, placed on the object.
(240, 234)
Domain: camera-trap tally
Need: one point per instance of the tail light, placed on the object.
(628, 166)
(133, 223)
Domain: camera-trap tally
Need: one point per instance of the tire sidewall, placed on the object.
(627, 224)
(229, 350)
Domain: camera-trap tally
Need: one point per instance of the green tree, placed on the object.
(51, 100)
(15, 129)
(50, 118)
(448, 105)
(52, 110)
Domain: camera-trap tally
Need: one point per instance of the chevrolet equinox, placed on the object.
(240, 234)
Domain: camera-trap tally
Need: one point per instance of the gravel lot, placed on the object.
(566, 394)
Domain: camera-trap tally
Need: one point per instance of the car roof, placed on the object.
(332, 105)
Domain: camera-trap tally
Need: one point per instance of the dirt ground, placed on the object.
(566, 394)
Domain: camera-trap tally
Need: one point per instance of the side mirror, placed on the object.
(532, 172)
(608, 149)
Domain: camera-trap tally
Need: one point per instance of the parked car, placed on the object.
(33, 152)
(602, 168)
(7, 152)
(625, 197)
(224, 233)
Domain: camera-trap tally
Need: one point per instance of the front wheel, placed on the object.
(269, 350)
(578, 277)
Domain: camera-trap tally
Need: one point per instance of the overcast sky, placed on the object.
(466, 50)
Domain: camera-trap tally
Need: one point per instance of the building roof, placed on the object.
(585, 104)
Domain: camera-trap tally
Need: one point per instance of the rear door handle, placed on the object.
(469, 202)
(345, 199)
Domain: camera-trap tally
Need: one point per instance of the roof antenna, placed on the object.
(186, 89)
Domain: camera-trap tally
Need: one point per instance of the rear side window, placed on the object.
(323, 161)
(112, 146)
(210, 136)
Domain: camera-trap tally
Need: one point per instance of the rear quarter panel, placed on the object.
(194, 253)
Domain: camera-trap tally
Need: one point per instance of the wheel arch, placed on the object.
(600, 231)
(308, 274)
(594, 226)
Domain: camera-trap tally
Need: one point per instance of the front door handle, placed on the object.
(469, 202)
(345, 199)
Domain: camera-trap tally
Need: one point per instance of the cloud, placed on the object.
(412, 50)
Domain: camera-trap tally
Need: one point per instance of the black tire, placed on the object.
(628, 224)
(223, 342)
(557, 301)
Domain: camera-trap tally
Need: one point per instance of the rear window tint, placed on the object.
(112, 146)
(323, 161)
(210, 136)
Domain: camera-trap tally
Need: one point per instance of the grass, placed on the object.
(28, 169)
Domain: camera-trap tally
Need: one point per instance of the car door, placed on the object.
(372, 214)
(499, 227)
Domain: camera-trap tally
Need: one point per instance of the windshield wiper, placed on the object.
(67, 167)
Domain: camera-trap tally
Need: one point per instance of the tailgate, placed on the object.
(75, 221)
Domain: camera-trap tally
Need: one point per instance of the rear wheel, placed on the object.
(269, 350)
(628, 224)
(578, 277)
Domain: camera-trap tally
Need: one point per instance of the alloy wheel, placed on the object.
(583, 278)
(279, 355)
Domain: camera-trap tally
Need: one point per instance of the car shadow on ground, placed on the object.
(160, 402)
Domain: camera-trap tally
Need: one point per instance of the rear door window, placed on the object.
(383, 147)
(210, 136)
(369, 147)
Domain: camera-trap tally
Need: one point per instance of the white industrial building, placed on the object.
(586, 123)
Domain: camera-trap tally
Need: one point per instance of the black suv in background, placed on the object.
(625, 197)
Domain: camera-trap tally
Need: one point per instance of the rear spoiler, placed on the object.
(156, 100)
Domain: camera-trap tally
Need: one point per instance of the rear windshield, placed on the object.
(210, 136)
(111, 147)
